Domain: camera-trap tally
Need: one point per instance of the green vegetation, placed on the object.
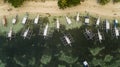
(67, 3)
(103, 2)
(115, 1)
(61, 3)
(15, 3)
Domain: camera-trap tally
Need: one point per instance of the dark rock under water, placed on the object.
(50, 52)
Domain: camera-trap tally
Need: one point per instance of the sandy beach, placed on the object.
(89, 6)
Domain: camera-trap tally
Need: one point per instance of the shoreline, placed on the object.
(18, 26)
(108, 11)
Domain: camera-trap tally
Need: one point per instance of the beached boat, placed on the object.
(87, 20)
(78, 17)
(36, 20)
(57, 24)
(24, 19)
(4, 21)
(14, 20)
(107, 25)
(68, 20)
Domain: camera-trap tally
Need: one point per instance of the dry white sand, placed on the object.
(90, 6)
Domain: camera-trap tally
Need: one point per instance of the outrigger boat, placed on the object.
(78, 17)
(26, 33)
(57, 24)
(36, 20)
(68, 20)
(87, 20)
(116, 32)
(14, 20)
(89, 34)
(67, 39)
(100, 36)
(45, 31)
(4, 21)
(10, 33)
(25, 19)
(115, 23)
(107, 25)
(98, 21)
